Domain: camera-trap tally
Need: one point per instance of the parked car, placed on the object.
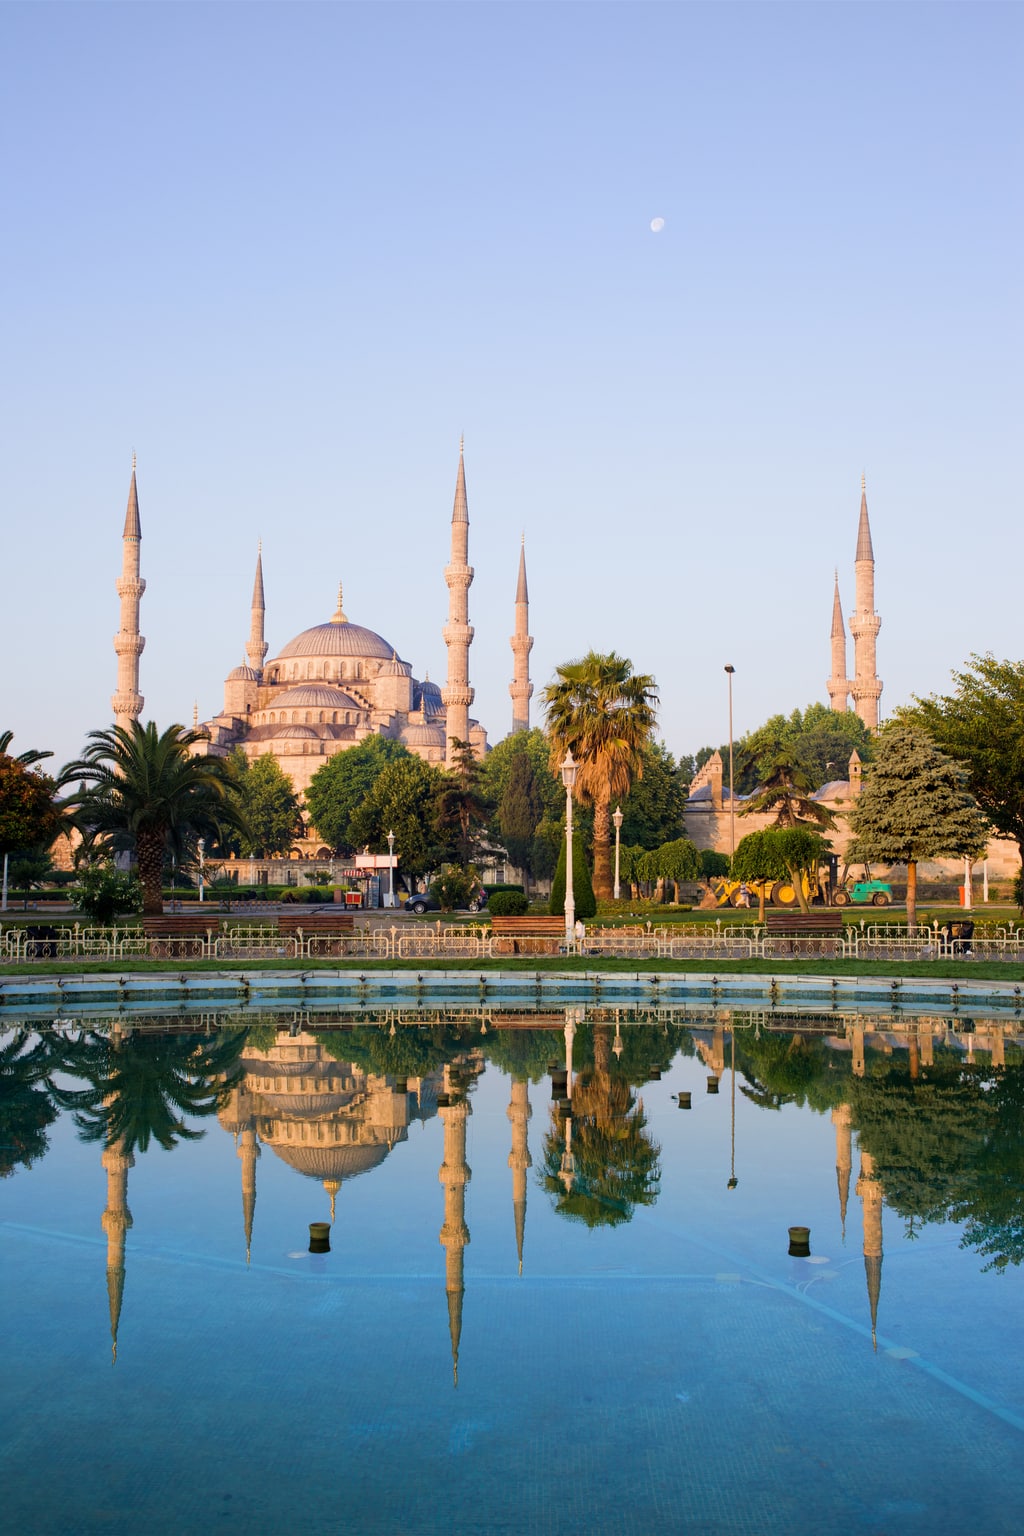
(877, 892)
(421, 902)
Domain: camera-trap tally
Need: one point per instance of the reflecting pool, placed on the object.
(559, 1292)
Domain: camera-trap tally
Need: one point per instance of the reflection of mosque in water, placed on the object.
(332, 1121)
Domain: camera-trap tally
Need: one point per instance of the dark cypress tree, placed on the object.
(582, 886)
(519, 813)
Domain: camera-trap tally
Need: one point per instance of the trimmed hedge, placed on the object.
(508, 904)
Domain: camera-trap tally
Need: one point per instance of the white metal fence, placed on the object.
(440, 941)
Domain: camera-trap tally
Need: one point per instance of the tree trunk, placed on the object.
(149, 852)
(911, 895)
(797, 877)
(602, 1049)
(603, 887)
(760, 902)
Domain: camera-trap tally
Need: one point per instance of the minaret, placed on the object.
(248, 1151)
(458, 632)
(454, 1174)
(865, 624)
(128, 643)
(117, 1218)
(521, 642)
(838, 684)
(257, 648)
(841, 1119)
(519, 1159)
(869, 1191)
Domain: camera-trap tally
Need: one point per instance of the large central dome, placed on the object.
(337, 638)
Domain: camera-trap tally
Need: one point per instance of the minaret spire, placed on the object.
(838, 684)
(521, 642)
(865, 685)
(454, 1174)
(519, 1159)
(117, 1218)
(458, 632)
(870, 1193)
(841, 1119)
(257, 648)
(127, 701)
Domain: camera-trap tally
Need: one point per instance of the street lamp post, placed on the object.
(617, 820)
(569, 768)
(201, 845)
(732, 798)
(391, 869)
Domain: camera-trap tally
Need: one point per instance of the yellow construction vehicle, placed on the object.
(777, 893)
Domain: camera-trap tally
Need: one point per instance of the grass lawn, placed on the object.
(568, 965)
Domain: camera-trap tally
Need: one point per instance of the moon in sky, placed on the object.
(657, 225)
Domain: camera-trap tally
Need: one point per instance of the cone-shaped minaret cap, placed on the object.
(864, 550)
(522, 594)
(132, 525)
(258, 600)
(460, 511)
(838, 628)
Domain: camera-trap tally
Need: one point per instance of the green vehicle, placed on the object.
(862, 892)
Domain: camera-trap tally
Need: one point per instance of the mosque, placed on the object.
(337, 682)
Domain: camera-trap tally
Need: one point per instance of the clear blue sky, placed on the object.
(287, 253)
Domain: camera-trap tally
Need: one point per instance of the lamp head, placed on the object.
(569, 769)
(730, 670)
(617, 818)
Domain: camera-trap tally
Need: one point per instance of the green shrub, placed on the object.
(508, 904)
(582, 888)
(455, 888)
(104, 893)
(496, 890)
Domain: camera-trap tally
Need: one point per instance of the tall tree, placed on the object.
(981, 724)
(403, 800)
(604, 713)
(29, 815)
(269, 804)
(519, 814)
(652, 811)
(461, 808)
(339, 787)
(914, 805)
(142, 790)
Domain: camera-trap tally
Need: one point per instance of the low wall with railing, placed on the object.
(473, 941)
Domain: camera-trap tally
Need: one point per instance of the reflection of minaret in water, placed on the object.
(842, 1120)
(869, 1191)
(454, 1174)
(117, 1218)
(238, 1118)
(519, 1159)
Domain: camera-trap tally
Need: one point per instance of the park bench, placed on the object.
(318, 930)
(803, 933)
(180, 935)
(527, 935)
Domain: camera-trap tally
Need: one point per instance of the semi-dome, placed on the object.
(243, 674)
(337, 639)
(314, 696)
(424, 736)
(294, 732)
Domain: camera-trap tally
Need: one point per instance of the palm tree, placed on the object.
(604, 713)
(25, 758)
(787, 791)
(145, 791)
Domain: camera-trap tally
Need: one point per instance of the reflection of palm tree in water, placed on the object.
(615, 1160)
(137, 1091)
(141, 1089)
(26, 1097)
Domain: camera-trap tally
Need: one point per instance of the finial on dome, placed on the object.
(133, 461)
(338, 617)
(863, 483)
(195, 714)
(462, 443)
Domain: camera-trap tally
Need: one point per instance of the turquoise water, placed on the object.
(526, 1321)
